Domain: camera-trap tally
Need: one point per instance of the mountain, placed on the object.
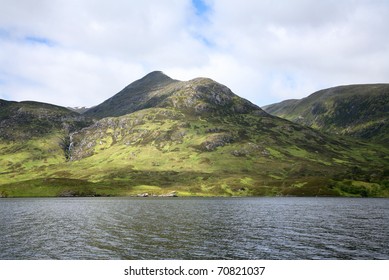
(20, 121)
(360, 111)
(195, 137)
(156, 90)
(141, 94)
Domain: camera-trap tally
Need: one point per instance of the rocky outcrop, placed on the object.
(216, 140)
(169, 194)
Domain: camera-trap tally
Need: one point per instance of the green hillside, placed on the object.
(22, 121)
(194, 137)
(360, 111)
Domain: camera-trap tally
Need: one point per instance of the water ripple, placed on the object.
(196, 228)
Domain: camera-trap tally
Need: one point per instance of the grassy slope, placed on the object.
(360, 111)
(159, 153)
(21, 121)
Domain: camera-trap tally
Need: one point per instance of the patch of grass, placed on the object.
(274, 153)
(361, 189)
(297, 152)
(299, 185)
(48, 187)
(340, 161)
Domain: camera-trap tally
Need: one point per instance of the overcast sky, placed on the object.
(81, 52)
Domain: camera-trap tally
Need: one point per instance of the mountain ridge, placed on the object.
(195, 137)
(359, 111)
(199, 95)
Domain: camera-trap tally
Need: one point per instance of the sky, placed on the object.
(80, 53)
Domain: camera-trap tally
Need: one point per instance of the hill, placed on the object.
(360, 111)
(195, 137)
(34, 135)
(141, 94)
(20, 121)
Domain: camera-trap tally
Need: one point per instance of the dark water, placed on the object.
(194, 228)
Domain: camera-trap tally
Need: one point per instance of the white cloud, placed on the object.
(81, 52)
(301, 46)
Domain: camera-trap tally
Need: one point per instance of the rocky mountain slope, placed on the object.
(360, 111)
(200, 96)
(141, 94)
(195, 137)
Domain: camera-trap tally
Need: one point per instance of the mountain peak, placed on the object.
(135, 96)
(156, 74)
(152, 80)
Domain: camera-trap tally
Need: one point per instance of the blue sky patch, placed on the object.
(39, 41)
(201, 7)
(4, 33)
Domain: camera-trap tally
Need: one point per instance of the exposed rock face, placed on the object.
(205, 96)
(216, 140)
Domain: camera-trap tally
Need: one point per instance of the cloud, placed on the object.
(301, 46)
(82, 52)
(77, 53)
